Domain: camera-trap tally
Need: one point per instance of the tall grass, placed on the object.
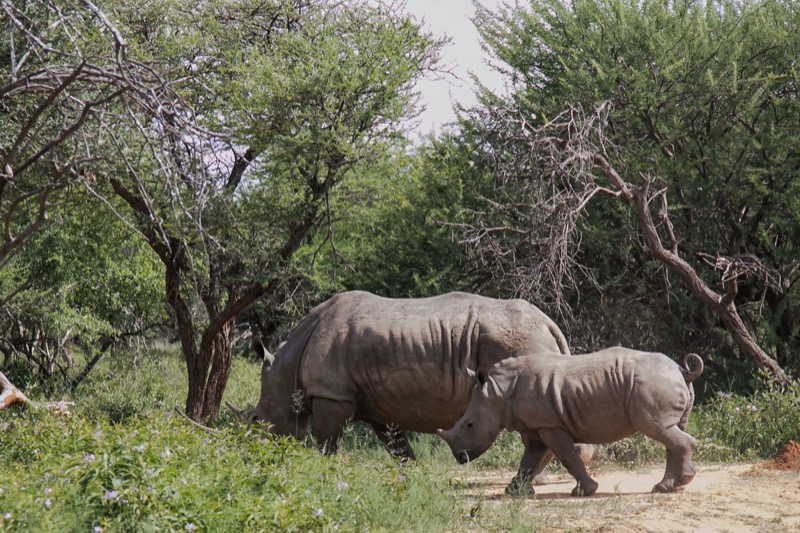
(125, 462)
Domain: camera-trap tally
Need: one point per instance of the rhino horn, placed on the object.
(444, 434)
(238, 412)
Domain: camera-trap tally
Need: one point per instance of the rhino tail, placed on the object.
(561, 340)
(692, 360)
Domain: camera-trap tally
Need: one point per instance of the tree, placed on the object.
(702, 99)
(282, 99)
(64, 70)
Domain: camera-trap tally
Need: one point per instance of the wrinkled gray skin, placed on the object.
(555, 402)
(398, 364)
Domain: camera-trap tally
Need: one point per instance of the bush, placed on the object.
(735, 427)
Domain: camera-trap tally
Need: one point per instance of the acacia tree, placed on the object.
(283, 99)
(702, 100)
(63, 68)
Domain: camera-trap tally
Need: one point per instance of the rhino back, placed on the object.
(598, 398)
(403, 361)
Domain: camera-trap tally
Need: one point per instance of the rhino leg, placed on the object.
(394, 440)
(564, 447)
(679, 471)
(535, 458)
(330, 419)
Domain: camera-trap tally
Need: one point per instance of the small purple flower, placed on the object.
(149, 490)
(342, 486)
(167, 415)
(89, 458)
(166, 454)
(110, 495)
(97, 529)
(48, 502)
(752, 408)
(317, 513)
(307, 492)
(48, 490)
(206, 441)
(49, 476)
(735, 409)
(97, 434)
(401, 478)
(8, 516)
(139, 448)
(190, 527)
(724, 395)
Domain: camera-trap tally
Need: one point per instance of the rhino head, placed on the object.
(280, 409)
(478, 428)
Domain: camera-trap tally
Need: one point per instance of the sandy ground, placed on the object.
(722, 498)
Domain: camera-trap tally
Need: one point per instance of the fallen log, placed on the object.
(9, 395)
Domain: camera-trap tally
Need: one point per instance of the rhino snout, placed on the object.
(462, 457)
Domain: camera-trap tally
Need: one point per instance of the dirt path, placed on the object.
(722, 498)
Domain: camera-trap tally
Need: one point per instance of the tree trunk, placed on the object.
(723, 306)
(220, 370)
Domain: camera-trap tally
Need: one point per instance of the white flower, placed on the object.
(342, 486)
(8, 516)
(317, 513)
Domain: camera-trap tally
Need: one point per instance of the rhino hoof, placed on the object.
(664, 487)
(586, 488)
(520, 488)
(541, 479)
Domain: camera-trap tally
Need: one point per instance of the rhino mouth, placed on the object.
(462, 456)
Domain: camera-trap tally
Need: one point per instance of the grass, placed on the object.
(125, 462)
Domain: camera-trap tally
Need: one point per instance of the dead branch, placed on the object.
(10, 394)
(196, 424)
(557, 169)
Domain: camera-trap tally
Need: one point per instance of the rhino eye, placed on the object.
(469, 425)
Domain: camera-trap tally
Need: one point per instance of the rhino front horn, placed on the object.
(238, 412)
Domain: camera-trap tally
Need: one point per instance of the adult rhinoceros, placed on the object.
(398, 364)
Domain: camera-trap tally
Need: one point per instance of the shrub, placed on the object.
(732, 426)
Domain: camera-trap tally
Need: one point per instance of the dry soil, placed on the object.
(762, 497)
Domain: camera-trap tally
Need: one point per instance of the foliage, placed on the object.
(386, 232)
(280, 99)
(703, 98)
(83, 288)
(757, 425)
(128, 462)
(151, 471)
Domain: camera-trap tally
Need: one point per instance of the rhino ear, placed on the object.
(472, 375)
(482, 376)
(261, 350)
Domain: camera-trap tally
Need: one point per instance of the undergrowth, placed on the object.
(125, 461)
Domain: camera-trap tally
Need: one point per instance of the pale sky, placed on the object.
(464, 55)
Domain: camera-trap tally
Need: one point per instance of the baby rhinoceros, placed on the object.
(598, 398)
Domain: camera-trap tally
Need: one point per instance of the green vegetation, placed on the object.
(126, 461)
(187, 174)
